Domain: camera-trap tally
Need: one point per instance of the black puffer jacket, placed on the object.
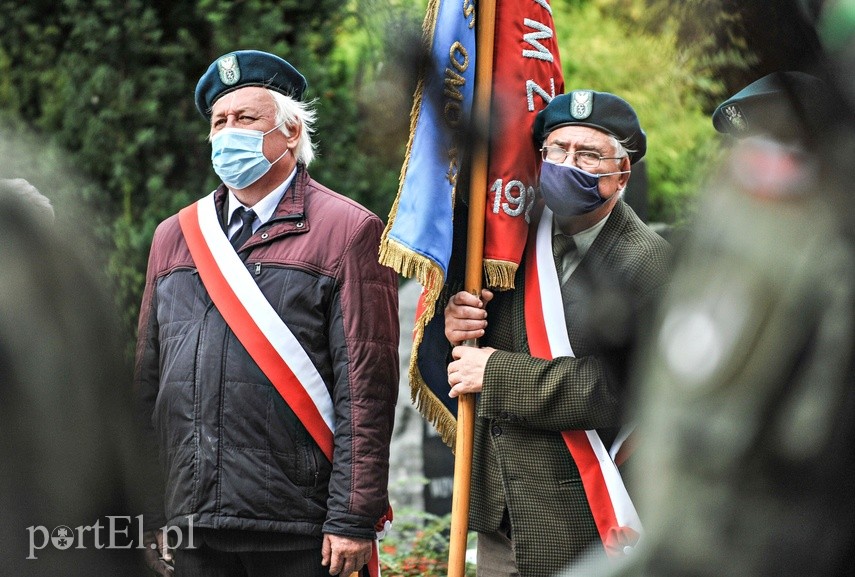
(234, 454)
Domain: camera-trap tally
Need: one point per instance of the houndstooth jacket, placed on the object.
(521, 464)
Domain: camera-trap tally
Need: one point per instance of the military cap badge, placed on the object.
(228, 69)
(582, 104)
(735, 117)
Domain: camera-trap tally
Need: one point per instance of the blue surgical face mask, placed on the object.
(570, 191)
(237, 155)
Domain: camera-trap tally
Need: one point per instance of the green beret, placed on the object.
(247, 68)
(599, 110)
(784, 105)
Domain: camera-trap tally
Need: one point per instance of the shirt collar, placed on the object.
(265, 207)
(585, 238)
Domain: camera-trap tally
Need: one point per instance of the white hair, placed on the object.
(621, 148)
(621, 151)
(290, 112)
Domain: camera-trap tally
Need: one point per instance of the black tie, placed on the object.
(561, 243)
(247, 217)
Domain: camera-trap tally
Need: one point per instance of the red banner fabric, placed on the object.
(526, 76)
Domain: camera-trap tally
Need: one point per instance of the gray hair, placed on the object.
(290, 112)
(621, 148)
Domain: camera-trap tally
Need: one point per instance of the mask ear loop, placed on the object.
(593, 174)
(618, 172)
(280, 157)
(621, 190)
(286, 150)
(274, 128)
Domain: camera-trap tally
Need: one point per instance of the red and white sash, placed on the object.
(263, 333)
(614, 514)
(255, 322)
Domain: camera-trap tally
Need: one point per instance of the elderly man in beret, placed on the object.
(531, 504)
(266, 367)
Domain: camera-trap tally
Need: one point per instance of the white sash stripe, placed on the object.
(622, 436)
(625, 512)
(550, 290)
(559, 344)
(262, 313)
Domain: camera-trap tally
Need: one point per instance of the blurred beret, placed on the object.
(247, 68)
(600, 110)
(784, 105)
(34, 201)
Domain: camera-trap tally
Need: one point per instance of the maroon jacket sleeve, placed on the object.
(364, 345)
(146, 385)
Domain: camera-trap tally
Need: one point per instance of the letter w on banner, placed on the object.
(422, 239)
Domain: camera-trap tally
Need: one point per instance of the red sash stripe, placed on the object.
(535, 327)
(613, 512)
(596, 490)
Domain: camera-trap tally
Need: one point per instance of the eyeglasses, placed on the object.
(584, 159)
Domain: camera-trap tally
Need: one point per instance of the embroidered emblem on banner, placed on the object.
(582, 104)
(229, 70)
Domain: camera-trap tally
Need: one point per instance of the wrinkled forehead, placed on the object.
(254, 98)
(580, 136)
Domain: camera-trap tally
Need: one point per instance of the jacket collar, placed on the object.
(289, 216)
(612, 230)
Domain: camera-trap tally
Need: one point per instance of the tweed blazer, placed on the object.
(521, 463)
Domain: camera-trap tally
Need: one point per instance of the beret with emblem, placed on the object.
(600, 110)
(783, 105)
(247, 68)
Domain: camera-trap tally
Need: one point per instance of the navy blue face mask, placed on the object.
(570, 191)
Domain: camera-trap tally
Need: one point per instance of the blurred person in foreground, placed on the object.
(746, 394)
(267, 367)
(546, 399)
(66, 452)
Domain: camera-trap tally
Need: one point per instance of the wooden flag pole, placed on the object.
(473, 280)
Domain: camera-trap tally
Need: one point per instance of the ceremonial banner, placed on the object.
(526, 76)
(418, 239)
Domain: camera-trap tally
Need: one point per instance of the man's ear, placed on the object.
(625, 165)
(294, 132)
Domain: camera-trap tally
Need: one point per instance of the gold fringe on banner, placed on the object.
(499, 274)
(401, 254)
(422, 397)
(413, 265)
(428, 273)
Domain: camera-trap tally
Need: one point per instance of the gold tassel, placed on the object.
(499, 274)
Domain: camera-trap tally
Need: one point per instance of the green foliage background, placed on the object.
(648, 69)
(101, 92)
